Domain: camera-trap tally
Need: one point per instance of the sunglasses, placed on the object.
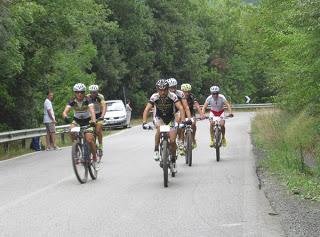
(215, 93)
(81, 92)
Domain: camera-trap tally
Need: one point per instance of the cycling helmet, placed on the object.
(162, 84)
(172, 82)
(186, 87)
(214, 89)
(93, 88)
(79, 87)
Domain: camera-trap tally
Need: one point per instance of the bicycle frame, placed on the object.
(217, 131)
(81, 155)
(165, 153)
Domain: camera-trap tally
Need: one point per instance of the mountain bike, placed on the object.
(188, 133)
(165, 153)
(218, 134)
(82, 161)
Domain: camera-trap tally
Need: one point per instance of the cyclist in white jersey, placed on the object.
(217, 102)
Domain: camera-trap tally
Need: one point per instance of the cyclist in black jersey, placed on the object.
(192, 103)
(83, 115)
(164, 103)
(173, 88)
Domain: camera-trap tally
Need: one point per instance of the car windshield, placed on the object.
(114, 106)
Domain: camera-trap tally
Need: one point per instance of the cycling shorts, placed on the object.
(222, 115)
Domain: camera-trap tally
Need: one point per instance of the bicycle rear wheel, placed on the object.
(165, 162)
(93, 171)
(79, 164)
(189, 148)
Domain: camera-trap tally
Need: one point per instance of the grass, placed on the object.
(287, 141)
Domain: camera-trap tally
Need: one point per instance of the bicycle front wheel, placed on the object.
(79, 164)
(165, 161)
(189, 148)
(217, 136)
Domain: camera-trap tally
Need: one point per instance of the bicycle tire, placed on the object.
(189, 148)
(165, 162)
(92, 168)
(79, 163)
(217, 144)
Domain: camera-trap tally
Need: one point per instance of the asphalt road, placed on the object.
(40, 195)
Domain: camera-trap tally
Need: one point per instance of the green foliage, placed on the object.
(287, 142)
(268, 51)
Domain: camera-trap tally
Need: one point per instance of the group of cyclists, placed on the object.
(170, 106)
(88, 110)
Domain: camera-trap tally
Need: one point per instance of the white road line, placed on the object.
(32, 194)
(231, 225)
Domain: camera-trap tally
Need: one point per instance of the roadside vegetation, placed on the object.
(291, 150)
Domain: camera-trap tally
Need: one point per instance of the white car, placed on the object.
(116, 115)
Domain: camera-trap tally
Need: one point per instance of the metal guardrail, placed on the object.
(253, 106)
(37, 132)
(28, 133)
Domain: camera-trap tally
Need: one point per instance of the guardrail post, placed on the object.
(62, 138)
(6, 147)
(23, 143)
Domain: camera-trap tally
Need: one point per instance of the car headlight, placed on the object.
(122, 117)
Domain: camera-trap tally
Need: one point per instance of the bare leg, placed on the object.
(173, 145)
(92, 145)
(223, 129)
(48, 140)
(194, 129)
(211, 131)
(99, 132)
(53, 139)
(157, 139)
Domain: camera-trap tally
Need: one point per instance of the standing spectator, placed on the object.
(128, 109)
(50, 121)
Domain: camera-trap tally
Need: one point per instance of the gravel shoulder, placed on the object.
(298, 217)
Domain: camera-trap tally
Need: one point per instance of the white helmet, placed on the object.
(172, 82)
(93, 88)
(79, 87)
(214, 89)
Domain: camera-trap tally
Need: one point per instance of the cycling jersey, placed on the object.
(81, 109)
(180, 94)
(217, 104)
(164, 107)
(191, 100)
(98, 102)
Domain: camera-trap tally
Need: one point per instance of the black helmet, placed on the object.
(162, 84)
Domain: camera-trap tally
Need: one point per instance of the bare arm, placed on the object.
(226, 103)
(205, 107)
(103, 109)
(186, 108)
(198, 108)
(145, 112)
(180, 108)
(50, 115)
(92, 113)
(65, 112)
